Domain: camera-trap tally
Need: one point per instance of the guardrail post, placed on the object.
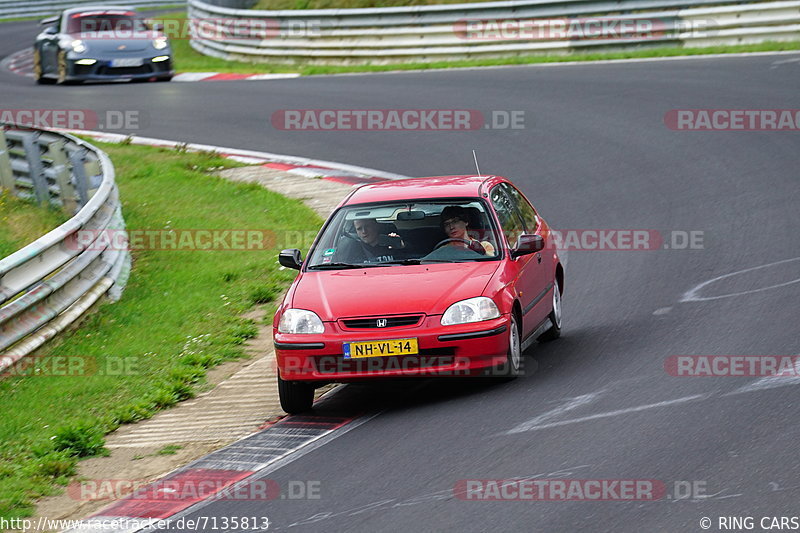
(6, 174)
(35, 169)
(92, 167)
(78, 158)
(58, 155)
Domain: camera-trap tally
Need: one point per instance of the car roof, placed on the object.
(462, 186)
(81, 9)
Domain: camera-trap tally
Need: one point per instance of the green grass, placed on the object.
(170, 449)
(22, 222)
(179, 315)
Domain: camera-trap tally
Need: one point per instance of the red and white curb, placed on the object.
(21, 64)
(230, 76)
(312, 168)
(227, 474)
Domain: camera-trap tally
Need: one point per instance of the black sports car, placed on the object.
(100, 43)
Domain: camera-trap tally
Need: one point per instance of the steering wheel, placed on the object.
(447, 241)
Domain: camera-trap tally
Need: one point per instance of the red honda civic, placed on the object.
(440, 276)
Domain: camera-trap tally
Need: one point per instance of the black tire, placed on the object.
(62, 68)
(515, 359)
(555, 317)
(296, 396)
(37, 70)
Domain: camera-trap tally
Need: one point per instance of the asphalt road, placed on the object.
(597, 404)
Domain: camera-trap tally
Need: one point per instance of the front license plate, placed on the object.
(127, 62)
(353, 350)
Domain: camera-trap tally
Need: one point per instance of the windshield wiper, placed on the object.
(342, 266)
(409, 261)
(470, 260)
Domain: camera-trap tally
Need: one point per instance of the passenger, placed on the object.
(455, 221)
(372, 247)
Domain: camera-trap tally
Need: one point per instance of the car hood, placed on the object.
(429, 289)
(142, 41)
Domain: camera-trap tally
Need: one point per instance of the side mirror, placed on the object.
(528, 244)
(291, 258)
(49, 21)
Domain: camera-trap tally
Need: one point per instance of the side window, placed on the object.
(523, 207)
(510, 221)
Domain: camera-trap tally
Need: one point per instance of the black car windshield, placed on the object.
(403, 233)
(122, 23)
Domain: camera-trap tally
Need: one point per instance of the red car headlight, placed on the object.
(470, 310)
(300, 321)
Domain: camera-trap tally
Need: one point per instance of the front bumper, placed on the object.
(457, 351)
(103, 70)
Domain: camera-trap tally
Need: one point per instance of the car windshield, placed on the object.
(121, 22)
(402, 233)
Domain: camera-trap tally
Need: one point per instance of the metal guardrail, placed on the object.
(35, 8)
(51, 282)
(437, 32)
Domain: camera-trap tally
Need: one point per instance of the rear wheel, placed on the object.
(296, 396)
(555, 317)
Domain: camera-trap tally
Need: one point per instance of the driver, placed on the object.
(455, 220)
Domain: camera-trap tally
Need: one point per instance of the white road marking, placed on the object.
(609, 414)
(784, 62)
(692, 295)
(771, 382)
(569, 405)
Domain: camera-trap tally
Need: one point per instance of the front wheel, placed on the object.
(555, 317)
(512, 368)
(296, 396)
(38, 72)
(62, 68)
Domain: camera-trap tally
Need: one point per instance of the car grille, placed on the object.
(436, 357)
(372, 322)
(83, 70)
(122, 71)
